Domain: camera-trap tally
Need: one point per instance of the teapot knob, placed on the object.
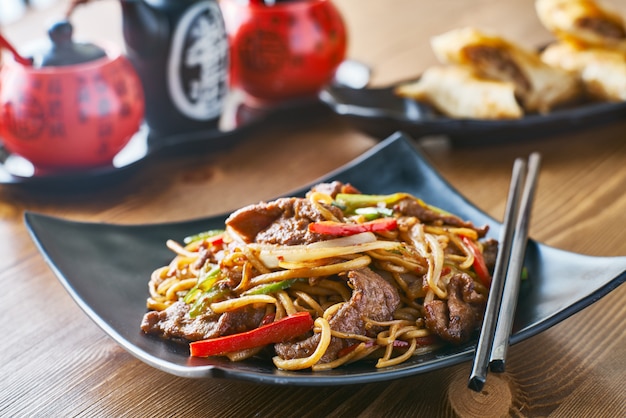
(64, 51)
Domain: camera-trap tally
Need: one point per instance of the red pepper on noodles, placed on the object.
(479, 265)
(345, 229)
(279, 331)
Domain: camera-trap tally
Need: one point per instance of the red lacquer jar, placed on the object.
(285, 51)
(71, 116)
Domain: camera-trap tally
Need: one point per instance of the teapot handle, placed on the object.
(4, 43)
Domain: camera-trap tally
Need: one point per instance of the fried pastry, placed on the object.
(538, 86)
(586, 22)
(458, 92)
(602, 71)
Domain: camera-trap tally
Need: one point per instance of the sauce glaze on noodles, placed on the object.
(418, 258)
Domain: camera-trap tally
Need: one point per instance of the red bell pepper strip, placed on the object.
(479, 265)
(345, 229)
(282, 330)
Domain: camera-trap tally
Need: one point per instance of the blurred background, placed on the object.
(24, 20)
(12, 11)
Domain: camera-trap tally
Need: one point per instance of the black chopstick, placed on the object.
(500, 346)
(485, 340)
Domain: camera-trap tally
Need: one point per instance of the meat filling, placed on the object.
(602, 27)
(496, 62)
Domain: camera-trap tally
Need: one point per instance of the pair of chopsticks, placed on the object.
(493, 341)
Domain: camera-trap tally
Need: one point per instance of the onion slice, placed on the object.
(272, 255)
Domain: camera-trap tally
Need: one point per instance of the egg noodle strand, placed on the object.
(417, 259)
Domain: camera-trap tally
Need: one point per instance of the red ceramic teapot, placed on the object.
(283, 50)
(75, 107)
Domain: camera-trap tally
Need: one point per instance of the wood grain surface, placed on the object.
(57, 363)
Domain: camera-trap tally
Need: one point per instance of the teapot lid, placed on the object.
(64, 51)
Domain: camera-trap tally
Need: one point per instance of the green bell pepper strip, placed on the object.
(213, 233)
(345, 229)
(279, 331)
(205, 299)
(350, 202)
(373, 212)
(266, 289)
(205, 291)
(206, 280)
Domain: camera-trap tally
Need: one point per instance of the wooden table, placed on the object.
(57, 362)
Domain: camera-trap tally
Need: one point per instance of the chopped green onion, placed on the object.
(206, 279)
(192, 295)
(266, 289)
(203, 235)
(353, 201)
(205, 299)
(373, 212)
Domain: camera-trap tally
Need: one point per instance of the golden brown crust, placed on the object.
(458, 92)
(602, 71)
(538, 86)
(586, 22)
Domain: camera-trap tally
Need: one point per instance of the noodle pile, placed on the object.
(220, 272)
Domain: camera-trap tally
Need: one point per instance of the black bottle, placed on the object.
(180, 50)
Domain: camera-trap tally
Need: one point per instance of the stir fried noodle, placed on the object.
(382, 276)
